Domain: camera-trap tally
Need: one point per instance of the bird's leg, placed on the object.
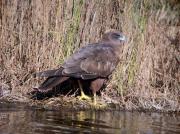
(83, 96)
(94, 99)
(97, 105)
(96, 86)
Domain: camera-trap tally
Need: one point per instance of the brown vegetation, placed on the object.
(39, 34)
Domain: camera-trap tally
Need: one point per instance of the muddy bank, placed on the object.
(61, 102)
(73, 103)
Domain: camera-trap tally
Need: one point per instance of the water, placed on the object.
(19, 120)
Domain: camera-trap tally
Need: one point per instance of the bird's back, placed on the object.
(91, 61)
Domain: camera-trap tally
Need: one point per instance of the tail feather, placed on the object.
(49, 73)
(54, 78)
(51, 82)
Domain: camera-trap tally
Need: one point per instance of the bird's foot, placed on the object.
(98, 105)
(84, 97)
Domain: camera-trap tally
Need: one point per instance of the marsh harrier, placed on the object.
(93, 63)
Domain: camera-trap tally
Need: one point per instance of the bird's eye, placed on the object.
(116, 35)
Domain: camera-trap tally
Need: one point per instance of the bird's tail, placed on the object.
(49, 73)
(51, 82)
(54, 78)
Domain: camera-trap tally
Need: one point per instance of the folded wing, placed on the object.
(91, 62)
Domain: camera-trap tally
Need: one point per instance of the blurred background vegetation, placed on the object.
(39, 34)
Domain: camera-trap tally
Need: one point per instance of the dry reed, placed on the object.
(37, 35)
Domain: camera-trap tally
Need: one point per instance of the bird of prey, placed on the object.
(93, 63)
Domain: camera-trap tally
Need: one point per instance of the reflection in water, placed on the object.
(19, 121)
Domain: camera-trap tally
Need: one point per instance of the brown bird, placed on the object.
(93, 63)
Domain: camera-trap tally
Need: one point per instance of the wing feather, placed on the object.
(91, 62)
(49, 73)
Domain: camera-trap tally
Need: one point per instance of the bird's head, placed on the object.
(114, 37)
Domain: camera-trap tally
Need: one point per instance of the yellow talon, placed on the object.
(84, 97)
(98, 105)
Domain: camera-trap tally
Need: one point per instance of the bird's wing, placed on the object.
(49, 73)
(51, 82)
(91, 62)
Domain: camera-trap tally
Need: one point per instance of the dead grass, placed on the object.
(149, 78)
(37, 35)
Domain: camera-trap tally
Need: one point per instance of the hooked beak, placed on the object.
(122, 38)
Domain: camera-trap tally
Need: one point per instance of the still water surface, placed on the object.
(19, 120)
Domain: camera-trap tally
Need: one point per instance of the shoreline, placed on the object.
(73, 104)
